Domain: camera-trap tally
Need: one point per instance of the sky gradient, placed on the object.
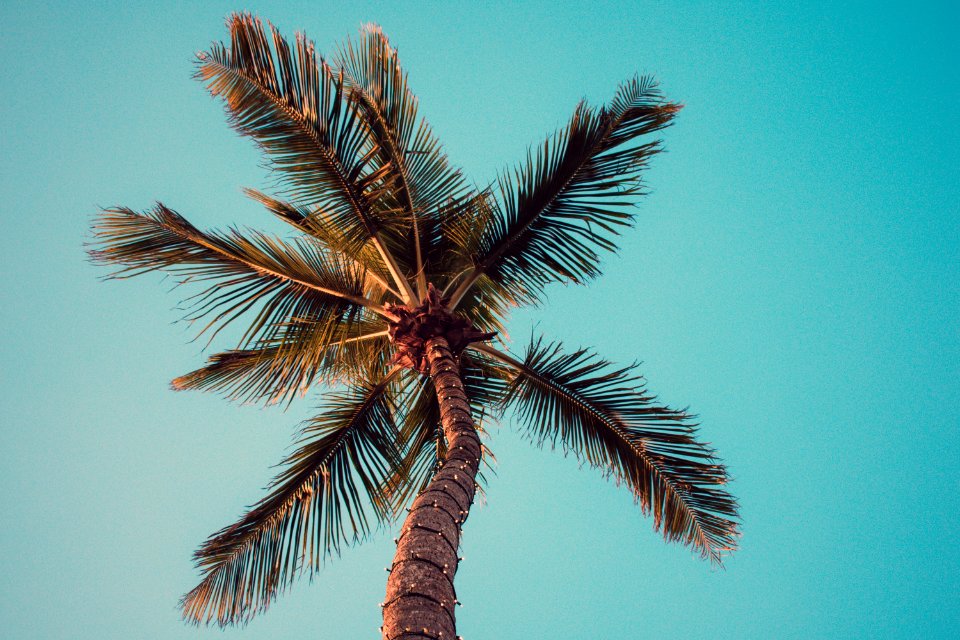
(792, 279)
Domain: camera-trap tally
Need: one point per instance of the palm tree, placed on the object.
(400, 275)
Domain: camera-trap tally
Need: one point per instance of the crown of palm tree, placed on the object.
(389, 239)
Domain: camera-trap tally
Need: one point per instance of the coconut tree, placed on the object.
(391, 292)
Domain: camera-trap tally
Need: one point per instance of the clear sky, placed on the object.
(793, 279)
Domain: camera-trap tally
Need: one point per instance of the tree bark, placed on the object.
(421, 599)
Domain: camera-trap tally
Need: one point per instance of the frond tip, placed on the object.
(604, 416)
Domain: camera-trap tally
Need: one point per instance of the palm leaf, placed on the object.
(417, 173)
(319, 502)
(282, 368)
(462, 230)
(289, 101)
(570, 197)
(604, 416)
(321, 228)
(276, 282)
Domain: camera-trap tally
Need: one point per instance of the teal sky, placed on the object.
(793, 279)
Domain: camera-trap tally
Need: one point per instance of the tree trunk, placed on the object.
(421, 599)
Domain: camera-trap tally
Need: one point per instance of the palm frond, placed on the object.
(290, 102)
(485, 303)
(419, 176)
(319, 226)
(604, 416)
(570, 197)
(421, 442)
(272, 281)
(321, 501)
(287, 365)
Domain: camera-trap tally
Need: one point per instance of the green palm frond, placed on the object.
(418, 174)
(321, 501)
(286, 366)
(570, 197)
(273, 281)
(319, 226)
(485, 303)
(421, 441)
(290, 102)
(604, 416)
(421, 173)
(486, 306)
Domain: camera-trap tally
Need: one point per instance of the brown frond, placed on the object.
(418, 175)
(604, 416)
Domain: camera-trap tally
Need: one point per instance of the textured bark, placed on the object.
(421, 599)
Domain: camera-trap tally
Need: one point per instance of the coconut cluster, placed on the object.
(414, 326)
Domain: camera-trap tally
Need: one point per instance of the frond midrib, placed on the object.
(203, 242)
(311, 230)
